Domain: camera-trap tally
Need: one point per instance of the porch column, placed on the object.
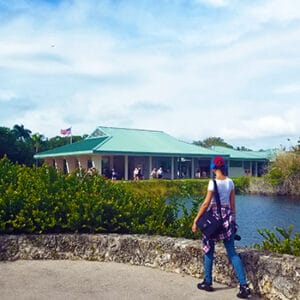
(228, 168)
(172, 167)
(111, 162)
(67, 166)
(97, 163)
(71, 164)
(150, 165)
(250, 168)
(126, 167)
(83, 162)
(193, 168)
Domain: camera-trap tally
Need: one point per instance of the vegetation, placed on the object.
(212, 141)
(217, 141)
(286, 244)
(43, 200)
(284, 173)
(20, 145)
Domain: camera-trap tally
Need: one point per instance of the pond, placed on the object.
(257, 212)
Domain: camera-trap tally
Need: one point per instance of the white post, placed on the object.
(97, 162)
(67, 165)
(193, 168)
(150, 165)
(172, 167)
(126, 167)
(228, 168)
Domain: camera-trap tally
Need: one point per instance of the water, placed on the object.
(257, 212)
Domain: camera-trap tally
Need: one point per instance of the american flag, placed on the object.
(65, 131)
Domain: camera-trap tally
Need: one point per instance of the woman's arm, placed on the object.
(202, 209)
(232, 203)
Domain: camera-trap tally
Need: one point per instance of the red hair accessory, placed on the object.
(219, 162)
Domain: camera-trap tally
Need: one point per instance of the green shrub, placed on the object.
(286, 244)
(241, 184)
(44, 200)
(284, 173)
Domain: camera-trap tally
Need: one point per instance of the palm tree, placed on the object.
(37, 141)
(21, 132)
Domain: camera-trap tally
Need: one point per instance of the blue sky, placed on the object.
(191, 68)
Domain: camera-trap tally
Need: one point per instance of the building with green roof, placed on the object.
(245, 162)
(124, 149)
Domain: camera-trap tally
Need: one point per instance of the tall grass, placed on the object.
(284, 174)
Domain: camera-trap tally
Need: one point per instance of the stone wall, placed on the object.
(271, 276)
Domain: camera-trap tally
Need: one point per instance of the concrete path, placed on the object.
(65, 279)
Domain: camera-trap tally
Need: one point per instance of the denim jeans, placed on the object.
(233, 257)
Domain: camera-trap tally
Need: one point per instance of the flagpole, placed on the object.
(71, 135)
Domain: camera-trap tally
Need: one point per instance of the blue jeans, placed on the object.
(233, 257)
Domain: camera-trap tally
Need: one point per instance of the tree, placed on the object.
(59, 141)
(20, 146)
(243, 148)
(37, 140)
(212, 141)
(7, 144)
(16, 150)
(21, 132)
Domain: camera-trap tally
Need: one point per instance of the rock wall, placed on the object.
(270, 275)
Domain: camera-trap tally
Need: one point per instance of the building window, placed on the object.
(236, 164)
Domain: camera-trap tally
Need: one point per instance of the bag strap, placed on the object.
(217, 197)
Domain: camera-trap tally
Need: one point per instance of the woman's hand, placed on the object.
(194, 227)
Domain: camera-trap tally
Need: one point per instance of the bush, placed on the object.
(241, 184)
(284, 173)
(285, 245)
(44, 200)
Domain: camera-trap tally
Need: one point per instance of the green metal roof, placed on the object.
(112, 140)
(125, 140)
(129, 141)
(243, 155)
(82, 147)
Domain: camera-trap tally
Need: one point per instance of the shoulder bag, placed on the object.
(208, 223)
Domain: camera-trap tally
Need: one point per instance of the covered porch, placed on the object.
(173, 166)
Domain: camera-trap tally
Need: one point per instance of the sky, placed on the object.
(191, 68)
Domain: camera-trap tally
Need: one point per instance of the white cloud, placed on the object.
(171, 68)
(276, 10)
(288, 89)
(6, 95)
(266, 126)
(215, 3)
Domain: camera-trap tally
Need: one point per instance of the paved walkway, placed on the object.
(65, 279)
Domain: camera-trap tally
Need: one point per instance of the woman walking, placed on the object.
(227, 198)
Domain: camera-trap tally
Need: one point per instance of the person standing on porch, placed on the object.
(153, 174)
(136, 173)
(160, 172)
